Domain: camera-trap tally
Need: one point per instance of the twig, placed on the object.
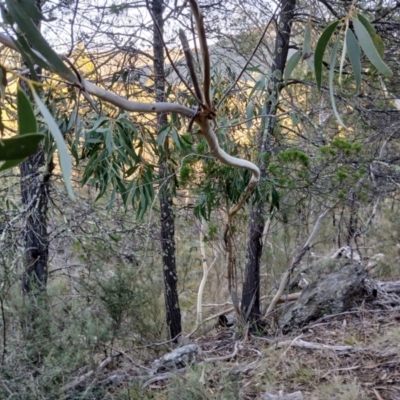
(378, 396)
(224, 358)
(163, 376)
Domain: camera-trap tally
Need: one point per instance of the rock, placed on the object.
(283, 396)
(333, 294)
(178, 358)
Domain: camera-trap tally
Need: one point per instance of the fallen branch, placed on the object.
(224, 358)
(82, 378)
(314, 346)
(165, 375)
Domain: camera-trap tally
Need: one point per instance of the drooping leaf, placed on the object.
(377, 40)
(369, 48)
(162, 133)
(291, 64)
(19, 147)
(26, 117)
(30, 30)
(354, 52)
(320, 51)
(307, 43)
(65, 160)
(31, 9)
(342, 60)
(274, 200)
(249, 114)
(331, 76)
(175, 137)
(11, 163)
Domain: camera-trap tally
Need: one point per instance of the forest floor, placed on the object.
(350, 356)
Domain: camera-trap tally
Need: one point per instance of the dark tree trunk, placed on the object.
(251, 285)
(173, 312)
(34, 192)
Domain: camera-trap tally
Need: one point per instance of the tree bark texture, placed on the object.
(34, 193)
(251, 285)
(34, 181)
(173, 312)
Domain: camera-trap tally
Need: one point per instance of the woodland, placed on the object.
(199, 199)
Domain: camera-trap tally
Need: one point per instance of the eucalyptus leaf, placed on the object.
(354, 53)
(369, 48)
(331, 76)
(377, 40)
(65, 160)
(249, 114)
(26, 117)
(19, 147)
(320, 51)
(291, 64)
(30, 30)
(11, 163)
(307, 42)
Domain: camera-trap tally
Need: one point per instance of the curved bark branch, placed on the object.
(109, 96)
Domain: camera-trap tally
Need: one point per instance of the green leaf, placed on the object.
(249, 114)
(19, 147)
(32, 33)
(274, 200)
(307, 52)
(369, 48)
(354, 52)
(11, 163)
(291, 64)
(378, 42)
(175, 137)
(65, 160)
(331, 75)
(31, 9)
(109, 141)
(162, 133)
(320, 50)
(26, 116)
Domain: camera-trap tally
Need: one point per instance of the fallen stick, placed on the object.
(314, 346)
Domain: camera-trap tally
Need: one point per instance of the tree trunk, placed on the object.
(251, 285)
(173, 312)
(34, 192)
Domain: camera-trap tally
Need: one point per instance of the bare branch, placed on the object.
(190, 65)
(205, 54)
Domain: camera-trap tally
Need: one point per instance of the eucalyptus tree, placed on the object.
(113, 139)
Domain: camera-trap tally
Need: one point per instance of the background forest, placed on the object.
(170, 168)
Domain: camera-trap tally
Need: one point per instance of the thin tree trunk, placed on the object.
(251, 285)
(34, 180)
(34, 192)
(173, 312)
